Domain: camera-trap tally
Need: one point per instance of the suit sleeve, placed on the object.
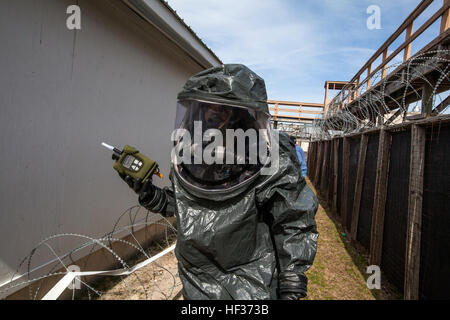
(295, 235)
(159, 201)
(291, 207)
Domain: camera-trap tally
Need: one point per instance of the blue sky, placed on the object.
(296, 45)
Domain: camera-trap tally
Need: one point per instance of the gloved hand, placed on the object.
(292, 286)
(150, 196)
(289, 296)
(145, 189)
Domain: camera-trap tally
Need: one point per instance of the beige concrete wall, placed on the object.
(62, 93)
(305, 146)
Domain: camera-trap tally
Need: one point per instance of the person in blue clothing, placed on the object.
(301, 156)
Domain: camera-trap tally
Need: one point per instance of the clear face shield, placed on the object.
(218, 146)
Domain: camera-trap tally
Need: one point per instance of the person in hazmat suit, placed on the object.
(245, 227)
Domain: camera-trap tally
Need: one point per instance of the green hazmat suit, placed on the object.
(253, 239)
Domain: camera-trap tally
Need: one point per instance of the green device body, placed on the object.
(131, 162)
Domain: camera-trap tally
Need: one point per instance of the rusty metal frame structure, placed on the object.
(294, 112)
(353, 90)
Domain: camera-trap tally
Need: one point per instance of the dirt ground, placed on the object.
(160, 280)
(339, 269)
(338, 272)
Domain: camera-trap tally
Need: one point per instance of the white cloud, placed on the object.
(254, 32)
(294, 45)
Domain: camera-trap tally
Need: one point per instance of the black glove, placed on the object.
(292, 286)
(289, 296)
(150, 196)
(137, 185)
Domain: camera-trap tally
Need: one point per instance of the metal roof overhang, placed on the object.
(164, 18)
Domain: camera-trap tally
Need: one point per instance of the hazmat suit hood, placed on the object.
(224, 98)
(233, 84)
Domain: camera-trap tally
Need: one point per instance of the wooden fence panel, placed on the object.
(379, 203)
(414, 224)
(358, 186)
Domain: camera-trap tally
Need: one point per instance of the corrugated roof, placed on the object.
(189, 28)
